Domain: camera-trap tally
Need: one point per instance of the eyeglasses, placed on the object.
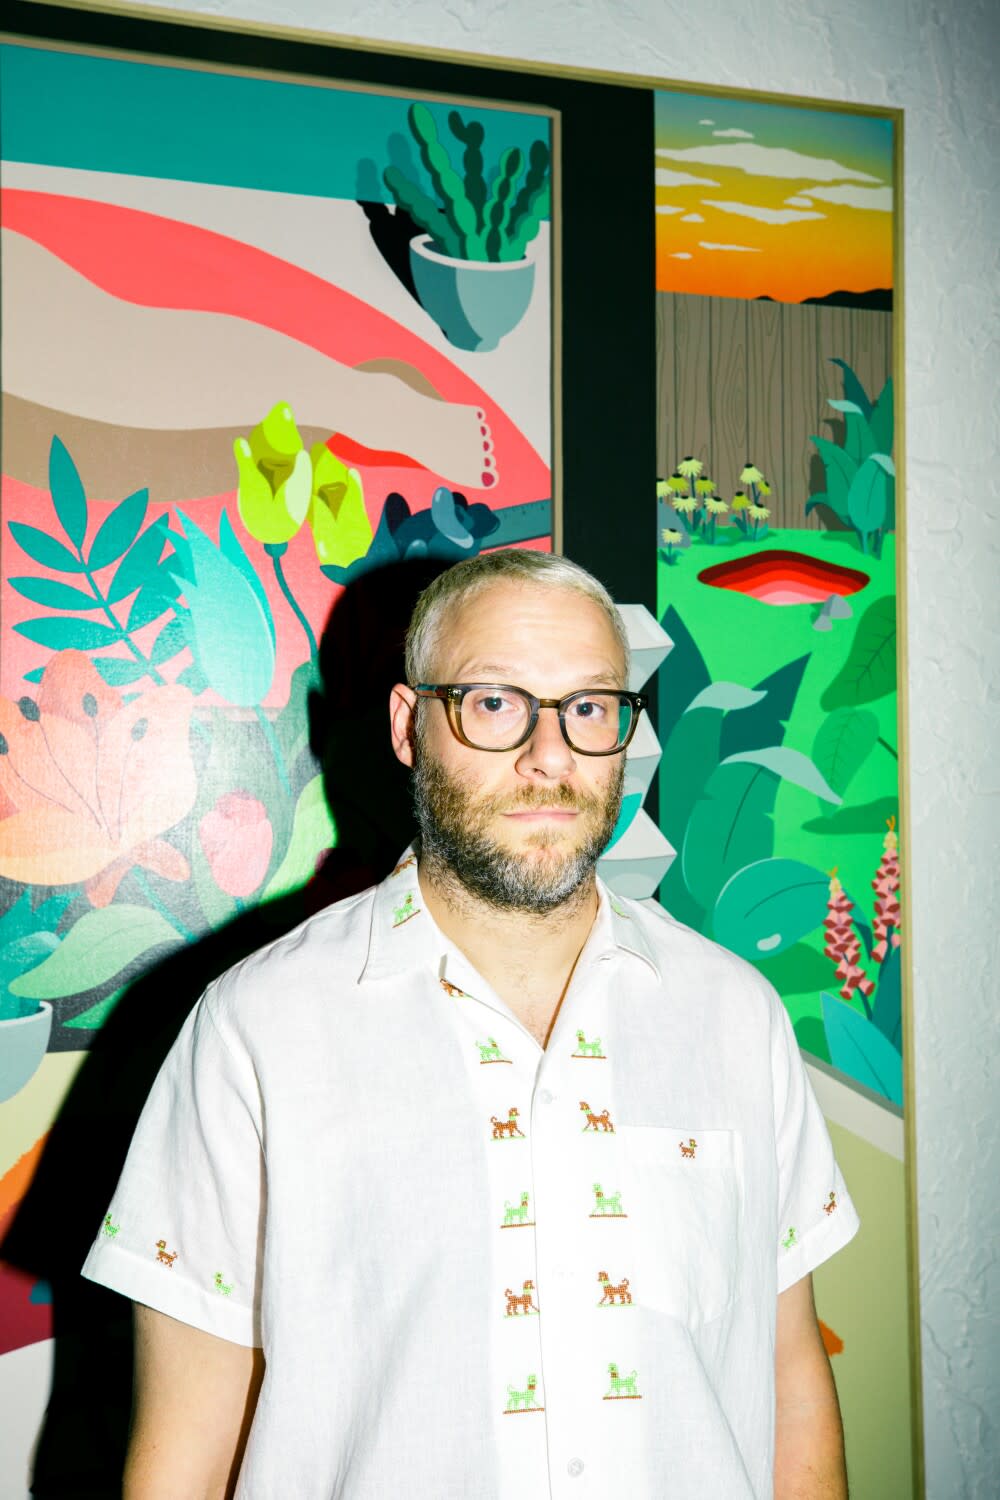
(496, 716)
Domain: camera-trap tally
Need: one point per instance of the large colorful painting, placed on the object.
(777, 555)
(261, 337)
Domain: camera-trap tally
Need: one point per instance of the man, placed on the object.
(486, 1183)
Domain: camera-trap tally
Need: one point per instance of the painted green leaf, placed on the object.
(119, 671)
(138, 563)
(870, 670)
(313, 830)
(147, 606)
(24, 953)
(726, 696)
(35, 675)
(853, 389)
(98, 947)
(887, 1011)
(840, 470)
(682, 675)
(763, 723)
(882, 420)
(858, 441)
(67, 492)
(45, 549)
(171, 639)
(859, 1049)
(867, 498)
(95, 1016)
(790, 765)
(52, 594)
(229, 622)
(61, 635)
(118, 530)
(844, 741)
(768, 906)
(729, 826)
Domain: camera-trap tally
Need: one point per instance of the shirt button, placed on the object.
(574, 1468)
(546, 1096)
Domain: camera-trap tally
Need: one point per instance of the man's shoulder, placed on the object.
(327, 950)
(687, 957)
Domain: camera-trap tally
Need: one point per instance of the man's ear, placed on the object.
(402, 708)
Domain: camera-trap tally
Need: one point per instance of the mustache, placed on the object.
(532, 799)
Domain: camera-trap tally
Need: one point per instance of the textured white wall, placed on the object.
(937, 62)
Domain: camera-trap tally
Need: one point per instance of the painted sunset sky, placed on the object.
(770, 200)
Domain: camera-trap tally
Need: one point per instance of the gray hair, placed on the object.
(470, 577)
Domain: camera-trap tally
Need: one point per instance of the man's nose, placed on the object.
(545, 753)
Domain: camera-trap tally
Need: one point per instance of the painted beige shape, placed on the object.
(70, 346)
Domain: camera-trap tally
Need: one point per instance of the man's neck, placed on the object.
(528, 958)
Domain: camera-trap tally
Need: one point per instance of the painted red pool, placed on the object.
(780, 577)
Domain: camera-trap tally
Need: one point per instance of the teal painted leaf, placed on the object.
(868, 495)
(101, 945)
(23, 953)
(726, 696)
(730, 826)
(844, 741)
(52, 594)
(313, 831)
(882, 420)
(689, 757)
(859, 1049)
(138, 563)
(147, 606)
(682, 675)
(45, 549)
(67, 492)
(162, 579)
(229, 622)
(118, 530)
(119, 671)
(790, 765)
(818, 499)
(768, 906)
(853, 389)
(193, 678)
(858, 441)
(35, 675)
(763, 723)
(887, 1011)
(171, 639)
(870, 670)
(840, 470)
(62, 635)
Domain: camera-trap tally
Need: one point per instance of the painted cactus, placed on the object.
(470, 220)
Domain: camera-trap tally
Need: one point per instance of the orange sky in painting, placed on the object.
(787, 203)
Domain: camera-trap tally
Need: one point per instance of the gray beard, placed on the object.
(461, 856)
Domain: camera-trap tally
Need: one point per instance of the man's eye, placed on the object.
(588, 708)
(491, 705)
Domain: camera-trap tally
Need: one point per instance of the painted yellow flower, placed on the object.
(677, 484)
(686, 504)
(275, 478)
(671, 537)
(758, 512)
(763, 487)
(750, 474)
(690, 467)
(340, 526)
(704, 486)
(715, 505)
(740, 501)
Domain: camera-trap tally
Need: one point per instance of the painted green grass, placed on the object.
(744, 640)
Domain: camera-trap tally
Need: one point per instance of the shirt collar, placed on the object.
(405, 937)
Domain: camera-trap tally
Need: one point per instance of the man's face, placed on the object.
(520, 829)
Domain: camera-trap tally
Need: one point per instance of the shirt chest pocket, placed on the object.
(686, 1195)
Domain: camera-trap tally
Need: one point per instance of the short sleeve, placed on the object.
(816, 1217)
(183, 1233)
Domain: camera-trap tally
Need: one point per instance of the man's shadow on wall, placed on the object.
(82, 1442)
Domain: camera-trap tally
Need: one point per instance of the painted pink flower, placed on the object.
(237, 836)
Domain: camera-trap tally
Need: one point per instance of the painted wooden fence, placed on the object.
(749, 381)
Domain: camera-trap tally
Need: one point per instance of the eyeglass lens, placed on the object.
(496, 718)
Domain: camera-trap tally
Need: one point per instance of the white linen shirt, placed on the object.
(481, 1270)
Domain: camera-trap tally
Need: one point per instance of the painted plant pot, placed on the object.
(23, 1040)
(473, 302)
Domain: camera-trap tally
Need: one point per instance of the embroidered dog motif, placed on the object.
(515, 1214)
(224, 1287)
(110, 1228)
(623, 1387)
(594, 1121)
(164, 1256)
(831, 1203)
(523, 1400)
(689, 1151)
(588, 1049)
(508, 1128)
(607, 1205)
(520, 1302)
(612, 1291)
